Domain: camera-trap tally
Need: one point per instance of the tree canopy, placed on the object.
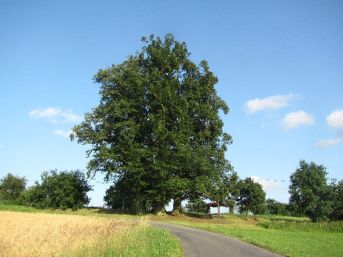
(309, 192)
(157, 126)
(337, 203)
(276, 208)
(11, 187)
(58, 189)
(251, 197)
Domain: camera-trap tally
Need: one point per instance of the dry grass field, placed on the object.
(40, 235)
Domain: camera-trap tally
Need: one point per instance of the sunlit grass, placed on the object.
(291, 237)
(42, 234)
(33, 234)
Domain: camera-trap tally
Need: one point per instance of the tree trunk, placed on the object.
(218, 206)
(231, 207)
(159, 210)
(139, 204)
(177, 209)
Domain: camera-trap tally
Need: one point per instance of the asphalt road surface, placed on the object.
(200, 243)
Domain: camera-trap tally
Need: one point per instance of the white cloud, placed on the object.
(268, 184)
(63, 133)
(326, 143)
(296, 119)
(335, 119)
(55, 115)
(274, 102)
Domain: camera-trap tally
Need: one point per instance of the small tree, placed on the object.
(11, 187)
(310, 194)
(233, 191)
(197, 205)
(34, 196)
(251, 197)
(59, 189)
(276, 208)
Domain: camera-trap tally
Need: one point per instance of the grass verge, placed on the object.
(290, 238)
(141, 242)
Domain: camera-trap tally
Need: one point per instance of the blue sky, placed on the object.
(279, 64)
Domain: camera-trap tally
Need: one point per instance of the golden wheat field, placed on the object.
(40, 235)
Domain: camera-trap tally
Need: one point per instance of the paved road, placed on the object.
(200, 243)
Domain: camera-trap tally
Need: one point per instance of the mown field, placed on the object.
(295, 237)
(30, 233)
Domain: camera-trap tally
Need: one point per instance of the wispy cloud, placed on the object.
(268, 184)
(274, 102)
(296, 119)
(63, 133)
(1, 146)
(55, 115)
(326, 143)
(335, 119)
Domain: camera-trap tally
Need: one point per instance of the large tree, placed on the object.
(309, 192)
(157, 125)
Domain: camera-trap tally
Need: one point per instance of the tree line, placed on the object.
(311, 194)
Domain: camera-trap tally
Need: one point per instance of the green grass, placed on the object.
(304, 226)
(84, 212)
(142, 242)
(282, 218)
(287, 236)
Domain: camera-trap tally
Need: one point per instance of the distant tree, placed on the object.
(34, 196)
(197, 205)
(337, 203)
(11, 187)
(232, 191)
(60, 190)
(224, 190)
(157, 126)
(276, 208)
(251, 197)
(310, 194)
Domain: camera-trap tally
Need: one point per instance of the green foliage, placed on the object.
(309, 192)
(157, 126)
(120, 196)
(11, 187)
(251, 197)
(276, 208)
(33, 196)
(60, 190)
(337, 203)
(232, 187)
(197, 205)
